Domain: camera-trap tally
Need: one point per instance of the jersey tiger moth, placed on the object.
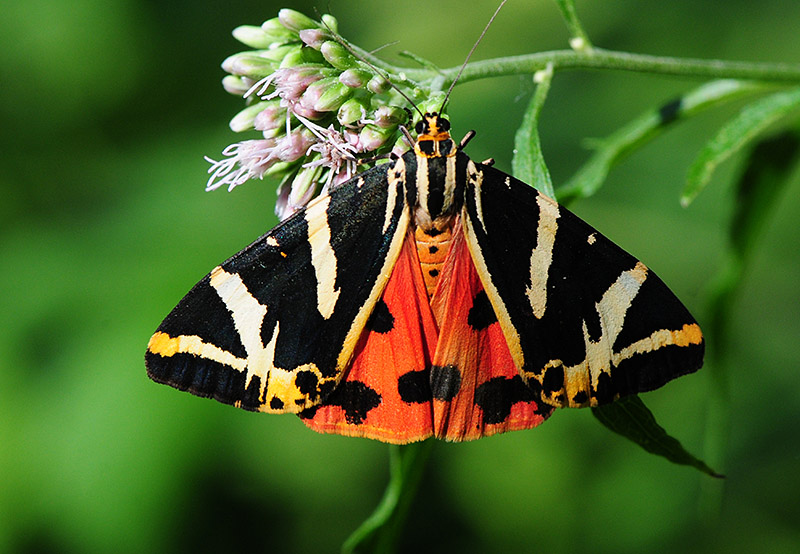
(427, 296)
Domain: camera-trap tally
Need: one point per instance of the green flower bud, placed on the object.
(330, 22)
(378, 85)
(352, 111)
(300, 56)
(278, 169)
(296, 21)
(234, 84)
(373, 137)
(252, 36)
(278, 53)
(243, 121)
(248, 65)
(293, 59)
(326, 95)
(337, 55)
(389, 117)
(433, 103)
(355, 78)
(400, 145)
(276, 32)
(303, 186)
(314, 38)
(311, 55)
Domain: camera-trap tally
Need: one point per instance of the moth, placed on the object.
(427, 296)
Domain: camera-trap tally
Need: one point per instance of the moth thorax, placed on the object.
(437, 189)
(433, 244)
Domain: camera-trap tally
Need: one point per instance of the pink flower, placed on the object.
(245, 160)
(334, 149)
(289, 83)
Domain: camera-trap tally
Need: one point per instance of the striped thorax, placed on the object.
(435, 172)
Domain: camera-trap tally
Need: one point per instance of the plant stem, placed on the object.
(379, 532)
(597, 58)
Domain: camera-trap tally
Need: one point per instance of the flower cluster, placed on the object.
(321, 111)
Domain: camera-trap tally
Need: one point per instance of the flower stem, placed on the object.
(379, 532)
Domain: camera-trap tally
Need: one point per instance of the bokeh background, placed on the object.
(106, 110)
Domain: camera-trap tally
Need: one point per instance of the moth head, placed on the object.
(433, 137)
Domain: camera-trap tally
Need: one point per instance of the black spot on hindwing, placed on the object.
(496, 396)
(307, 383)
(553, 379)
(381, 320)
(445, 382)
(276, 403)
(414, 387)
(354, 397)
(481, 314)
(580, 397)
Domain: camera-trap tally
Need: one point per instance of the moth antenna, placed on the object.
(466, 61)
(340, 39)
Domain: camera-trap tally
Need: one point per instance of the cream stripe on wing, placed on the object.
(542, 255)
(248, 315)
(476, 178)
(449, 184)
(323, 258)
(617, 299)
(396, 174)
(611, 309)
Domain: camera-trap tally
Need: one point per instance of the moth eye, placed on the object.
(419, 127)
(443, 124)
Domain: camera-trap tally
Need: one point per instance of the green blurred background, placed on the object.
(107, 108)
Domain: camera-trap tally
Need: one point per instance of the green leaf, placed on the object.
(528, 163)
(610, 150)
(749, 123)
(766, 173)
(380, 531)
(630, 418)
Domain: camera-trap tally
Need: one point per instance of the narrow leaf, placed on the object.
(766, 173)
(749, 123)
(630, 418)
(528, 163)
(610, 150)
